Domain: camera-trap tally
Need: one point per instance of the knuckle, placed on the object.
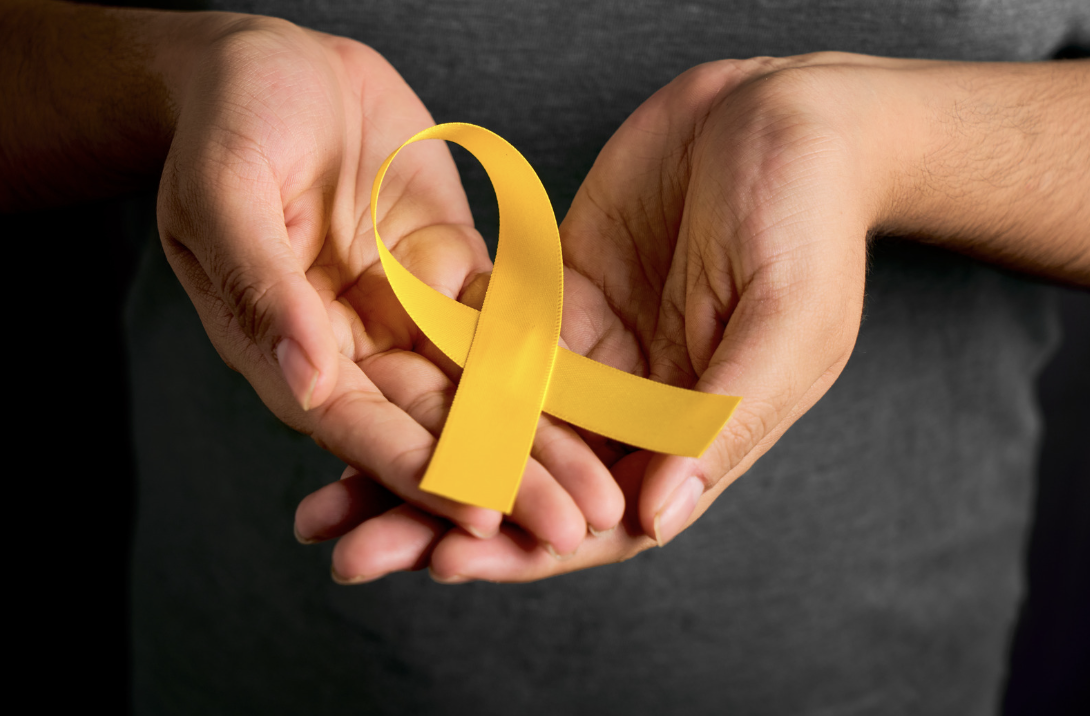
(431, 408)
(250, 299)
(549, 440)
(178, 208)
(340, 417)
(240, 41)
(744, 433)
(632, 549)
(407, 469)
(703, 82)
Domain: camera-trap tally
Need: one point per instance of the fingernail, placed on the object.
(478, 534)
(556, 555)
(453, 579)
(672, 518)
(600, 533)
(301, 539)
(299, 372)
(349, 581)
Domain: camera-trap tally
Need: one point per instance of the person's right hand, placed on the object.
(264, 215)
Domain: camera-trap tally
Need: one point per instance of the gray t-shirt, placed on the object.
(870, 563)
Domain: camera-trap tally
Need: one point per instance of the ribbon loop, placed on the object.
(513, 366)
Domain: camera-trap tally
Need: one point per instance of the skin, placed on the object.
(293, 288)
(268, 138)
(718, 243)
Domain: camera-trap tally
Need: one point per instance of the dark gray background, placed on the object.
(72, 406)
(68, 277)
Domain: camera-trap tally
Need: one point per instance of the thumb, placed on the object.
(780, 355)
(248, 265)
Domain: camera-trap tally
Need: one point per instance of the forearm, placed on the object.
(997, 164)
(89, 104)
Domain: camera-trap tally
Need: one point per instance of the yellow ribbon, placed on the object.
(513, 366)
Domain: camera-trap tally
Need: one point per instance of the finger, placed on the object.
(574, 463)
(515, 556)
(364, 429)
(369, 322)
(226, 238)
(546, 510)
(399, 540)
(451, 259)
(577, 468)
(670, 351)
(782, 348)
(622, 228)
(511, 556)
(591, 327)
(338, 508)
(542, 506)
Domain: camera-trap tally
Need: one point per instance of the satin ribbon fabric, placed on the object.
(513, 367)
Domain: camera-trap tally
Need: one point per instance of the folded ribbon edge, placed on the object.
(578, 390)
(584, 392)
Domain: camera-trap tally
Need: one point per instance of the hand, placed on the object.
(719, 243)
(264, 213)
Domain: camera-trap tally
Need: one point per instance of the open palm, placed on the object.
(264, 215)
(718, 243)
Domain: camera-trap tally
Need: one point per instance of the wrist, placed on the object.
(936, 141)
(869, 109)
(180, 44)
(989, 160)
(875, 104)
(97, 94)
